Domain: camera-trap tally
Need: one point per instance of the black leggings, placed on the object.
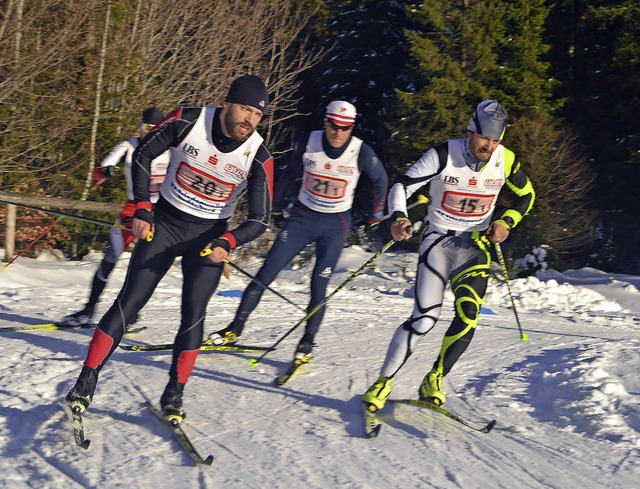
(150, 261)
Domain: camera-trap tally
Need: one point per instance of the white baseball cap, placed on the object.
(341, 113)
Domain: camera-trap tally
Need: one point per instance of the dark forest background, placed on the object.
(75, 77)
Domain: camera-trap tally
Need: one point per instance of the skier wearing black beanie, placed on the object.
(216, 154)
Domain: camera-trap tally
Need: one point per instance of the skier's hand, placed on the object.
(102, 173)
(498, 231)
(142, 224)
(401, 228)
(217, 250)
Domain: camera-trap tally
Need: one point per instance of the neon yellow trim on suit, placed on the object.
(473, 297)
(509, 160)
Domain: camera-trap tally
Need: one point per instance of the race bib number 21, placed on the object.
(323, 186)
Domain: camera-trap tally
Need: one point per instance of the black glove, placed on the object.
(278, 218)
(111, 171)
(221, 243)
(144, 215)
(102, 172)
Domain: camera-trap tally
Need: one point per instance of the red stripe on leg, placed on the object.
(100, 346)
(186, 361)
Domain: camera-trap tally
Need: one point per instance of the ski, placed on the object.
(439, 409)
(203, 347)
(180, 436)
(38, 327)
(75, 419)
(372, 424)
(293, 369)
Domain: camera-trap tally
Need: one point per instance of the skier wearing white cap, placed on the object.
(332, 161)
(465, 177)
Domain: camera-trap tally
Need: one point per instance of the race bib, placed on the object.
(464, 204)
(323, 186)
(202, 184)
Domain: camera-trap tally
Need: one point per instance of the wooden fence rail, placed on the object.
(13, 199)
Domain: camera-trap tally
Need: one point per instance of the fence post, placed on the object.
(10, 234)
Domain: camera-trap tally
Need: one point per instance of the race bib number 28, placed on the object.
(203, 185)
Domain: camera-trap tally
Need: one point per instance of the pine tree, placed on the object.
(465, 53)
(364, 63)
(604, 106)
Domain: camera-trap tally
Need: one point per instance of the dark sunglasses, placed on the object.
(335, 127)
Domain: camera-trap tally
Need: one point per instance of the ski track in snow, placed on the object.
(566, 401)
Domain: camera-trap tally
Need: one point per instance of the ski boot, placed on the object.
(225, 336)
(80, 318)
(81, 394)
(431, 388)
(378, 393)
(171, 403)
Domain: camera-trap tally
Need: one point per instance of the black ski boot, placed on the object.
(171, 402)
(81, 394)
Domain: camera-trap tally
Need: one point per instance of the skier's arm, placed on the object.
(371, 165)
(260, 192)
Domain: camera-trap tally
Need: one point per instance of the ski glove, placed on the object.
(221, 243)
(144, 215)
(102, 172)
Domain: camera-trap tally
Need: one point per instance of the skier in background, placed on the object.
(331, 161)
(118, 160)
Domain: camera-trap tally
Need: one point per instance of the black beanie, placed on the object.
(248, 90)
(152, 116)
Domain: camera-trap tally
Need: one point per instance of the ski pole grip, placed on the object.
(149, 237)
(206, 252)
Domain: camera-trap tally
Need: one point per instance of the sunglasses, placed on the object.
(146, 127)
(336, 127)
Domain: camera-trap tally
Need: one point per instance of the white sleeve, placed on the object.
(423, 170)
(116, 155)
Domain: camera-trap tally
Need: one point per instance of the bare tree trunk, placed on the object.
(96, 113)
(7, 18)
(19, 11)
(127, 64)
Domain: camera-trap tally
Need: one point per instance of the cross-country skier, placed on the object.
(465, 177)
(216, 154)
(118, 160)
(332, 161)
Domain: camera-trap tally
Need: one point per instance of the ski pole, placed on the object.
(421, 199)
(255, 361)
(70, 216)
(207, 252)
(54, 223)
(523, 336)
(254, 279)
(39, 237)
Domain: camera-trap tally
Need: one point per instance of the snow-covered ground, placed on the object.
(567, 401)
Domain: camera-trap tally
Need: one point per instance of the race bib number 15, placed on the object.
(463, 204)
